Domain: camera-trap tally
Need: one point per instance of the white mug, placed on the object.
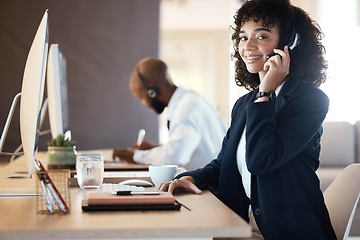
(163, 173)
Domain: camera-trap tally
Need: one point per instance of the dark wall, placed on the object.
(102, 41)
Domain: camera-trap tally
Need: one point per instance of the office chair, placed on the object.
(342, 197)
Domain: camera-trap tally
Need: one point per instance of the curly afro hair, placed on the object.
(307, 61)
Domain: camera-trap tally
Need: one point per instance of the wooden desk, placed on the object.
(19, 220)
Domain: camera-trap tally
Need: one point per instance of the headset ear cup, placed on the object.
(152, 92)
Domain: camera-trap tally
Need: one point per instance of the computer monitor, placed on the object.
(57, 91)
(32, 92)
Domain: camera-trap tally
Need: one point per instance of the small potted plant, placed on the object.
(61, 152)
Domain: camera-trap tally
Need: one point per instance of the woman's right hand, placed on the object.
(185, 183)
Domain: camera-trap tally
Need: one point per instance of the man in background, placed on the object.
(195, 128)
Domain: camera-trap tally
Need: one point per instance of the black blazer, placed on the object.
(282, 155)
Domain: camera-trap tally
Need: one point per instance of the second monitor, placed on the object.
(57, 91)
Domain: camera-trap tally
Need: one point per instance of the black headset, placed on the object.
(294, 38)
(151, 91)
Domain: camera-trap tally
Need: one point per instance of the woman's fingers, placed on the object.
(179, 184)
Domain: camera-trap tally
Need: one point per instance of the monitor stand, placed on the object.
(7, 124)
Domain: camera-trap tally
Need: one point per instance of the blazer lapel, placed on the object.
(285, 93)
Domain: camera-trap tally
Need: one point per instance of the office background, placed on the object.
(192, 39)
(101, 41)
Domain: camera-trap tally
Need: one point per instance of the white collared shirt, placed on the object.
(195, 134)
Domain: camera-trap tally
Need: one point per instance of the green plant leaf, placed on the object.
(60, 141)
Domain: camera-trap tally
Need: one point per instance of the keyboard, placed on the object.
(114, 187)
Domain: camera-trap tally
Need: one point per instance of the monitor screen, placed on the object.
(57, 91)
(32, 92)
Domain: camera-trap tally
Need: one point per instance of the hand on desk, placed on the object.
(127, 154)
(186, 183)
(145, 145)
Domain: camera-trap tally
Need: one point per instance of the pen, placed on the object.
(52, 188)
(136, 193)
(58, 199)
(182, 205)
(141, 137)
(46, 193)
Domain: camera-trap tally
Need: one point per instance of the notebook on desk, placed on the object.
(110, 202)
(135, 207)
(101, 198)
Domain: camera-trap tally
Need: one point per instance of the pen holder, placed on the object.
(48, 195)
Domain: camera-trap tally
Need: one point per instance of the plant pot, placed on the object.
(61, 157)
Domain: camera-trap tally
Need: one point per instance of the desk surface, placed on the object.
(208, 217)
(113, 165)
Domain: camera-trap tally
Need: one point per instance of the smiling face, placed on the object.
(256, 43)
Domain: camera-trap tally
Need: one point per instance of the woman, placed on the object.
(271, 150)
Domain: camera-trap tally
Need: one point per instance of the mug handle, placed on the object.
(180, 170)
